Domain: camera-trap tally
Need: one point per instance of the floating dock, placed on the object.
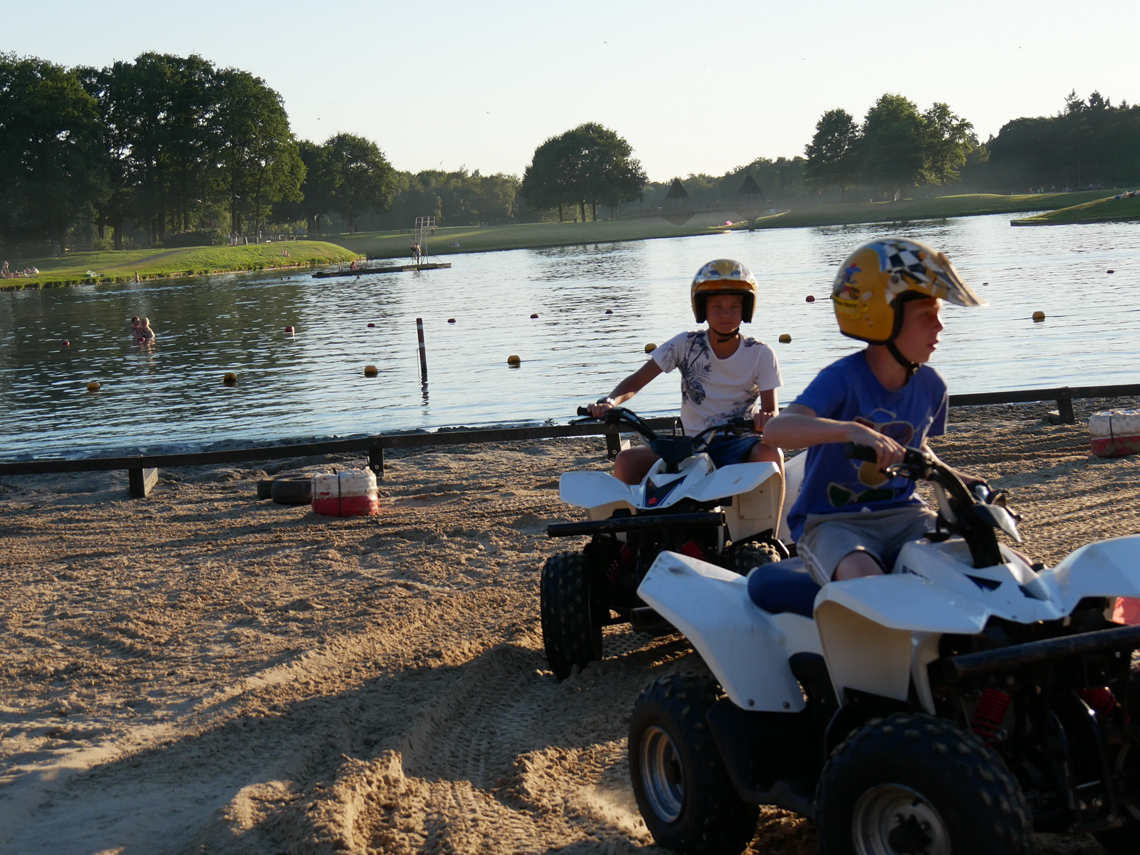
(394, 268)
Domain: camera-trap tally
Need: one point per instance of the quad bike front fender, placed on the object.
(745, 648)
(598, 492)
(1107, 568)
(867, 629)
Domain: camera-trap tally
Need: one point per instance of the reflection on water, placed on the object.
(312, 384)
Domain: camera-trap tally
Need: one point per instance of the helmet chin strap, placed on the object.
(911, 367)
(721, 339)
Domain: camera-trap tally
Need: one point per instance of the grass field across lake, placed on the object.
(1120, 208)
(87, 267)
(449, 240)
(76, 268)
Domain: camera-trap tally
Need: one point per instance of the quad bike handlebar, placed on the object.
(974, 511)
(672, 448)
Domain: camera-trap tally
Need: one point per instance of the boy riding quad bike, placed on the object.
(728, 393)
(953, 706)
(729, 515)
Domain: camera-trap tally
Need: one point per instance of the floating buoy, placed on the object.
(649, 348)
(93, 386)
(289, 330)
(513, 360)
(370, 326)
(785, 338)
(451, 320)
(534, 314)
(809, 299)
(230, 379)
(1110, 271)
(370, 371)
(609, 311)
(1038, 317)
(65, 343)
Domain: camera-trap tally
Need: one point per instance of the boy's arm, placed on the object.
(769, 408)
(626, 389)
(799, 427)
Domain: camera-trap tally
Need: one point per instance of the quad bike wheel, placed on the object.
(683, 790)
(748, 555)
(912, 783)
(572, 613)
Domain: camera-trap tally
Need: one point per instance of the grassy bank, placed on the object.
(931, 208)
(87, 267)
(445, 241)
(77, 268)
(1104, 210)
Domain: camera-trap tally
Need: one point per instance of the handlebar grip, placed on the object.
(582, 411)
(860, 452)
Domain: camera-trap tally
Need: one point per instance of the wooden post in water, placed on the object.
(423, 351)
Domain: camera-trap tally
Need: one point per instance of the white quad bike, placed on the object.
(951, 707)
(729, 515)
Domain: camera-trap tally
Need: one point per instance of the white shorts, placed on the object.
(828, 538)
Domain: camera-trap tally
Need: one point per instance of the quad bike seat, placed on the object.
(783, 586)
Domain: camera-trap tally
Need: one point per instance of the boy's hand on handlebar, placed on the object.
(761, 418)
(599, 409)
(887, 451)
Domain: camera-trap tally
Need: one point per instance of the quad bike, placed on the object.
(955, 705)
(728, 515)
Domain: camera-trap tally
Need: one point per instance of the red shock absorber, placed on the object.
(989, 713)
(691, 549)
(1101, 699)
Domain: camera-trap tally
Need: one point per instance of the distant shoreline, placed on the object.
(88, 268)
(91, 268)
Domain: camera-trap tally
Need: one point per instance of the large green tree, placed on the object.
(257, 153)
(892, 145)
(53, 168)
(362, 178)
(831, 154)
(160, 117)
(587, 165)
(316, 189)
(549, 181)
(608, 172)
(948, 140)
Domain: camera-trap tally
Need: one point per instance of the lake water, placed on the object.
(312, 383)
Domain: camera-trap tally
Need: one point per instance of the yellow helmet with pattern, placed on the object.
(876, 280)
(723, 276)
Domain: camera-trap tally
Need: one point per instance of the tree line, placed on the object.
(175, 150)
(897, 148)
(180, 151)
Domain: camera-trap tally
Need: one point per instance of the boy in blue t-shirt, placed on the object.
(851, 519)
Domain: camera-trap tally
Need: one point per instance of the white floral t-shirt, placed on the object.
(714, 390)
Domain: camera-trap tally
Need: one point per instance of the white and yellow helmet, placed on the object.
(723, 276)
(873, 283)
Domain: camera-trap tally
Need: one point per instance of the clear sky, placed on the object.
(693, 86)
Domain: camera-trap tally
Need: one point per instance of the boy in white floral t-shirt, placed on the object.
(724, 375)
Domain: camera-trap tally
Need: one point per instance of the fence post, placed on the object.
(1065, 410)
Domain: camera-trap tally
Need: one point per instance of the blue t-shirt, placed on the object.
(847, 390)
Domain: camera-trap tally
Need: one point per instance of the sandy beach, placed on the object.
(205, 672)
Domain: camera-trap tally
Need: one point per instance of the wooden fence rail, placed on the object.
(142, 470)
